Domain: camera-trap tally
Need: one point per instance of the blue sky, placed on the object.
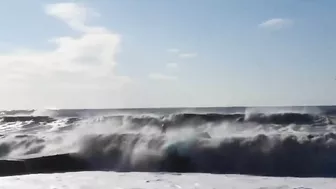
(127, 53)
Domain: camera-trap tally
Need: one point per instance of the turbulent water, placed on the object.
(286, 141)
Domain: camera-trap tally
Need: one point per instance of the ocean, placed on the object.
(233, 147)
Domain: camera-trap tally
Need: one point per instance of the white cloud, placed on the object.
(76, 66)
(188, 55)
(276, 23)
(173, 50)
(172, 65)
(160, 76)
(181, 54)
(75, 15)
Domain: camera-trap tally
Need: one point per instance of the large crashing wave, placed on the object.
(136, 143)
(310, 156)
(260, 155)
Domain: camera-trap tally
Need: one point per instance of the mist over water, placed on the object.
(289, 141)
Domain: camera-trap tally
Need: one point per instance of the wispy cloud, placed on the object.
(173, 50)
(172, 65)
(182, 54)
(74, 15)
(276, 23)
(160, 76)
(187, 55)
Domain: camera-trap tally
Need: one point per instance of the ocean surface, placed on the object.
(287, 145)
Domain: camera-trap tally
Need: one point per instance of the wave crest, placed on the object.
(175, 120)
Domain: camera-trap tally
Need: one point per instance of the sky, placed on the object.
(176, 53)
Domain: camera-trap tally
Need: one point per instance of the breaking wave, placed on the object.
(270, 144)
(197, 119)
(260, 155)
(309, 156)
(36, 119)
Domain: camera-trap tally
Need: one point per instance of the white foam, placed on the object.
(107, 180)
